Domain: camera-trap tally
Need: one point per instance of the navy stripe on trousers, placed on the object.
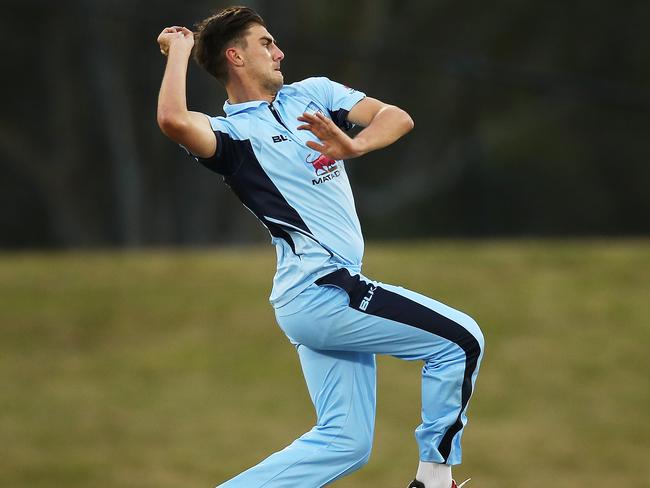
(398, 308)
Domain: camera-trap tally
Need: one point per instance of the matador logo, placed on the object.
(324, 167)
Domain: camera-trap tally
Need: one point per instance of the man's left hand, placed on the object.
(335, 143)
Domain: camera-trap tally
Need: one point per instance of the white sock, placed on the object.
(434, 475)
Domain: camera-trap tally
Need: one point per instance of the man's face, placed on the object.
(262, 58)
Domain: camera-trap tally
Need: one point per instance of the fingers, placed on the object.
(314, 118)
(170, 30)
(307, 123)
(306, 117)
(170, 34)
(316, 147)
(176, 30)
(317, 123)
(331, 139)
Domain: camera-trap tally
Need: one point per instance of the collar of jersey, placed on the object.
(235, 108)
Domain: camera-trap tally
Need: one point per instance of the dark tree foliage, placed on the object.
(531, 119)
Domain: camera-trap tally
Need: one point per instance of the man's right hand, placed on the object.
(177, 36)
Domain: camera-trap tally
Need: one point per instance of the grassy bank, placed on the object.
(166, 369)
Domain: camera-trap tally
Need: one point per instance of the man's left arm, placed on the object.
(383, 123)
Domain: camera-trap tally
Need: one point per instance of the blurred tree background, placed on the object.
(531, 119)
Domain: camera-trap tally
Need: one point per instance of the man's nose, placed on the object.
(279, 55)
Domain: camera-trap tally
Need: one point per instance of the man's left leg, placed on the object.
(342, 388)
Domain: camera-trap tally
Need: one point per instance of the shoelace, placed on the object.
(464, 483)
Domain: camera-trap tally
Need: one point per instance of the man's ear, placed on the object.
(233, 56)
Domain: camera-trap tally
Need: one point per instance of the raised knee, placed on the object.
(363, 451)
(356, 451)
(360, 453)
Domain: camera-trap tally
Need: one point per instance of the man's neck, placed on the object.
(239, 93)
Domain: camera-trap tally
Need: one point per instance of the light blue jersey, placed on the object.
(303, 198)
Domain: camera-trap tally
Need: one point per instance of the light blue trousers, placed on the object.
(338, 325)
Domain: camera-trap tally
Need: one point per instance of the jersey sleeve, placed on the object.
(337, 98)
(225, 160)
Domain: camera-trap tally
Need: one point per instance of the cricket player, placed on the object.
(282, 149)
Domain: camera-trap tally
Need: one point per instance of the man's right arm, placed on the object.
(190, 129)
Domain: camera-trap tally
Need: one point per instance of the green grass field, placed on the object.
(166, 369)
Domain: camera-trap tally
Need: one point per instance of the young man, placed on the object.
(281, 148)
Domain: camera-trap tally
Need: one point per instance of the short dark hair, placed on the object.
(218, 32)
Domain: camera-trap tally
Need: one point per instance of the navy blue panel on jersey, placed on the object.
(340, 118)
(256, 190)
(227, 156)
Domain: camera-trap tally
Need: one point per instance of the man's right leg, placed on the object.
(342, 388)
